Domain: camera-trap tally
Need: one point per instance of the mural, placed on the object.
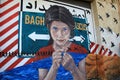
(25, 37)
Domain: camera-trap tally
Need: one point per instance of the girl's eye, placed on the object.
(64, 29)
(55, 28)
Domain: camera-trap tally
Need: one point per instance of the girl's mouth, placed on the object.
(61, 40)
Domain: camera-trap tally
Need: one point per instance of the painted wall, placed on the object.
(107, 23)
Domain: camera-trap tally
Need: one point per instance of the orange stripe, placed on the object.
(8, 10)
(10, 46)
(5, 3)
(8, 28)
(7, 59)
(9, 18)
(96, 47)
(9, 37)
(15, 63)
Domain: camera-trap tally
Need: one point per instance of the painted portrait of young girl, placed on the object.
(64, 59)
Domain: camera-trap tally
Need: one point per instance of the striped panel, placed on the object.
(9, 16)
(100, 49)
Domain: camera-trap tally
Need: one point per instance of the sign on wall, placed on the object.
(33, 33)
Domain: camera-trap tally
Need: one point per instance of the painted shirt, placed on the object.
(44, 56)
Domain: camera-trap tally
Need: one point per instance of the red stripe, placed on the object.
(8, 28)
(105, 51)
(8, 10)
(15, 63)
(10, 46)
(7, 59)
(92, 44)
(9, 37)
(110, 53)
(5, 3)
(29, 61)
(9, 18)
(101, 49)
(96, 47)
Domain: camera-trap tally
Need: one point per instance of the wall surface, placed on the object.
(106, 14)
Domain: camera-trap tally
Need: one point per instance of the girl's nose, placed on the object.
(60, 33)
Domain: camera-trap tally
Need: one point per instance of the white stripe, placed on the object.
(3, 1)
(9, 33)
(9, 63)
(94, 46)
(2, 59)
(8, 23)
(22, 62)
(11, 50)
(112, 54)
(9, 42)
(11, 4)
(8, 14)
(14, 48)
(106, 54)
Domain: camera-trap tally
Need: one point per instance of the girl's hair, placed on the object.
(59, 13)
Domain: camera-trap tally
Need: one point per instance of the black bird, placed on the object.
(115, 20)
(110, 30)
(89, 32)
(112, 44)
(100, 4)
(103, 40)
(113, 6)
(101, 29)
(100, 17)
(107, 15)
(87, 24)
(118, 34)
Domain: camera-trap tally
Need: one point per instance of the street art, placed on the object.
(25, 37)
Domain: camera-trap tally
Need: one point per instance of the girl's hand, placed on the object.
(57, 58)
(68, 62)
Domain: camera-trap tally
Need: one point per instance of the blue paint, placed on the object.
(30, 71)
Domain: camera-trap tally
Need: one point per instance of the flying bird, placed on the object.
(113, 6)
(110, 30)
(103, 40)
(89, 32)
(101, 29)
(115, 20)
(112, 44)
(100, 17)
(107, 15)
(100, 4)
(118, 35)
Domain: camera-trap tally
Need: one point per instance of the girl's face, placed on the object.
(60, 32)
